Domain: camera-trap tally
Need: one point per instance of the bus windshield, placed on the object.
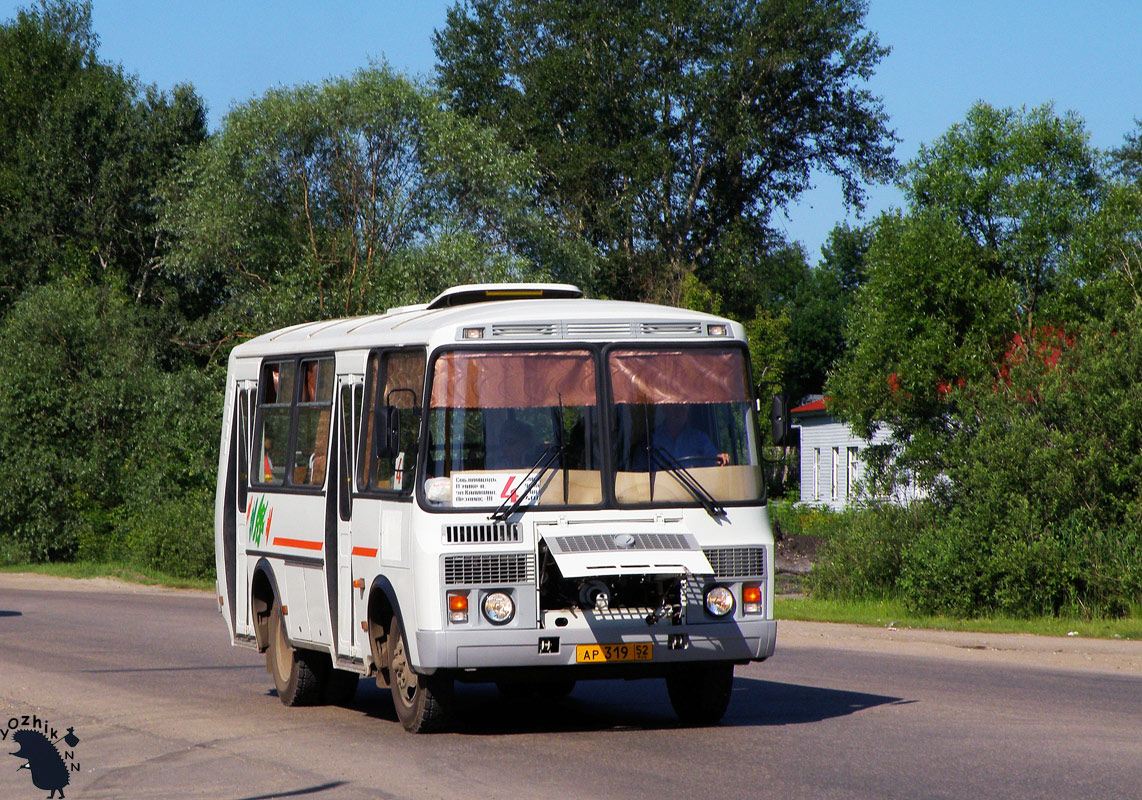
(492, 416)
(685, 410)
(675, 415)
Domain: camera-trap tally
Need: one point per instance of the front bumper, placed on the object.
(739, 640)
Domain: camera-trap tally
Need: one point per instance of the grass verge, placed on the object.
(888, 613)
(122, 572)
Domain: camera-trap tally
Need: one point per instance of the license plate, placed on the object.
(607, 653)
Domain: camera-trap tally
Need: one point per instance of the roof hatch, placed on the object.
(488, 292)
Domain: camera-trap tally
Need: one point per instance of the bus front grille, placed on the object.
(736, 562)
(491, 533)
(491, 569)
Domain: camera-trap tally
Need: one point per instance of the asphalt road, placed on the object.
(165, 708)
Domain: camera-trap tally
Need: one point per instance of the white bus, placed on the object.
(510, 484)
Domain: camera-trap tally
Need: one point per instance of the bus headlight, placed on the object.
(719, 601)
(498, 608)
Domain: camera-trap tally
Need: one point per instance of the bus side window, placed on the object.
(314, 414)
(396, 381)
(271, 441)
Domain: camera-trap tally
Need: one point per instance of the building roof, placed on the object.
(813, 407)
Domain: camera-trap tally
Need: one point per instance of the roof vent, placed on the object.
(489, 292)
(671, 328)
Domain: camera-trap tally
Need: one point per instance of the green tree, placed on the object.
(996, 336)
(1127, 159)
(819, 307)
(336, 199)
(999, 209)
(75, 381)
(84, 148)
(1042, 495)
(669, 131)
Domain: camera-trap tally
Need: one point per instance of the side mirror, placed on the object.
(779, 419)
(386, 431)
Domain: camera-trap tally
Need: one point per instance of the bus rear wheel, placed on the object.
(423, 702)
(700, 693)
(297, 675)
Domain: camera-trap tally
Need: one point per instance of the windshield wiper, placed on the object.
(539, 468)
(669, 463)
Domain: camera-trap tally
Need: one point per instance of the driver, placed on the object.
(689, 445)
(516, 447)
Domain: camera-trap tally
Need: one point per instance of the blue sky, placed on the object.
(1083, 56)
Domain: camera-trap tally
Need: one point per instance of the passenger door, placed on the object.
(244, 399)
(350, 394)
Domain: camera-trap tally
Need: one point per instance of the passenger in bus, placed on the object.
(272, 387)
(267, 464)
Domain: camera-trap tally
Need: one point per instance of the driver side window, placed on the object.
(394, 395)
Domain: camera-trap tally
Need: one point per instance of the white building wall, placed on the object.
(828, 445)
(825, 452)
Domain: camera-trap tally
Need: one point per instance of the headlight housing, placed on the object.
(719, 601)
(498, 608)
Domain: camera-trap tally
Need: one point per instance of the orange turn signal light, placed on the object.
(458, 607)
(751, 598)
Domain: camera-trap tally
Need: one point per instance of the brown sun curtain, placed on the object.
(519, 379)
(679, 376)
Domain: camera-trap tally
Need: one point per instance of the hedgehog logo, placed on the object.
(43, 759)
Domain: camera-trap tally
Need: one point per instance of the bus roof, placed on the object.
(524, 317)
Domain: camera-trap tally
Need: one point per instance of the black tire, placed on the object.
(340, 686)
(423, 702)
(700, 693)
(297, 673)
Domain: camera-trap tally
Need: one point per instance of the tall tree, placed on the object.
(346, 197)
(668, 129)
(819, 307)
(84, 147)
(1127, 159)
(1002, 212)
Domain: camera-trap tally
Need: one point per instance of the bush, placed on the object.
(102, 455)
(802, 520)
(173, 535)
(862, 557)
(1075, 569)
(74, 384)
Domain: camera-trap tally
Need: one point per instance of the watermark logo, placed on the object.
(48, 757)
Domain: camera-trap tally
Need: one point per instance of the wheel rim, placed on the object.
(403, 677)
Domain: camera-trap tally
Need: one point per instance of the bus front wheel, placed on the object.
(422, 702)
(700, 693)
(297, 676)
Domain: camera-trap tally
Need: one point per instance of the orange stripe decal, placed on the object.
(300, 544)
(368, 552)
